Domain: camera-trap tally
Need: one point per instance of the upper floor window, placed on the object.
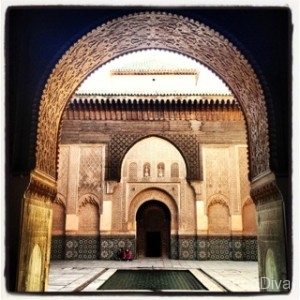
(147, 170)
(161, 170)
(133, 170)
(174, 170)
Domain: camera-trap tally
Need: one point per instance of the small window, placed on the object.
(133, 170)
(161, 170)
(174, 170)
(147, 170)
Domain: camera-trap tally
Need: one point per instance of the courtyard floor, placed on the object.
(217, 276)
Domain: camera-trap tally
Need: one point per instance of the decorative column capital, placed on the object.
(264, 188)
(42, 186)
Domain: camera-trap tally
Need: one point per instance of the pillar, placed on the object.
(271, 235)
(35, 239)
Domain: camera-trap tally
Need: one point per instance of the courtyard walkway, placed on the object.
(216, 276)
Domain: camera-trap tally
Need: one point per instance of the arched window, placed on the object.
(133, 170)
(161, 170)
(149, 154)
(174, 170)
(147, 170)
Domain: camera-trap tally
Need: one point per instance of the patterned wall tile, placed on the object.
(202, 248)
(181, 247)
(109, 245)
(174, 247)
(76, 247)
(187, 247)
(88, 247)
(237, 248)
(250, 248)
(71, 248)
(57, 247)
(219, 248)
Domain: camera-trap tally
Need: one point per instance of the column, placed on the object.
(270, 233)
(35, 240)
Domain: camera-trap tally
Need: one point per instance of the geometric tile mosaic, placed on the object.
(249, 248)
(110, 245)
(88, 248)
(187, 247)
(181, 247)
(57, 247)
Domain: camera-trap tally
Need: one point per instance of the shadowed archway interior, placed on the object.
(153, 229)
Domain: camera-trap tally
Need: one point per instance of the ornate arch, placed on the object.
(152, 194)
(144, 31)
(60, 199)
(89, 199)
(217, 198)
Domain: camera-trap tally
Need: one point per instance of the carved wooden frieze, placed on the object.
(152, 30)
(150, 108)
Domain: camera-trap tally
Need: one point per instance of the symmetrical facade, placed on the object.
(162, 175)
(201, 198)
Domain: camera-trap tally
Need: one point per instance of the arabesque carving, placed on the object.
(187, 144)
(89, 199)
(150, 194)
(218, 199)
(152, 30)
(42, 187)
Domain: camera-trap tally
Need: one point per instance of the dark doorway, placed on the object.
(153, 230)
(153, 244)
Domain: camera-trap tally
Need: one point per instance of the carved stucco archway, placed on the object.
(152, 194)
(128, 34)
(144, 31)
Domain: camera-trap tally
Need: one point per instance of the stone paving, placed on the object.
(217, 276)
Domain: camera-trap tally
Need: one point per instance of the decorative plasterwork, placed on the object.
(152, 194)
(89, 199)
(187, 144)
(143, 31)
(218, 198)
